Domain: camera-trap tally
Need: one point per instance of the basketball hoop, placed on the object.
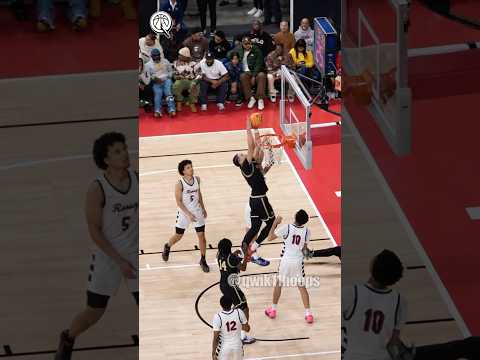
(274, 141)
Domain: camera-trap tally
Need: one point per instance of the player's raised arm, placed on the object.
(250, 141)
(271, 234)
(180, 204)
(94, 214)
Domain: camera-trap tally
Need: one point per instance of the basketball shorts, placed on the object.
(230, 354)
(260, 208)
(290, 269)
(183, 221)
(105, 276)
(234, 293)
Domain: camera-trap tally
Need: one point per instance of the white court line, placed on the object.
(143, 138)
(315, 126)
(148, 267)
(330, 236)
(321, 353)
(28, 163)
(176, 170)
(473, 212)
(442, 49)
(406, 225)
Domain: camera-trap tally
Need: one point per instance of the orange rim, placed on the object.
(288, 140)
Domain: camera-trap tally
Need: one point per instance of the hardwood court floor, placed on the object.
(169, 325)
(45, 244)
(370, 224)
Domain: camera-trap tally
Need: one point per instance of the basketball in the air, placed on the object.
(256, 120)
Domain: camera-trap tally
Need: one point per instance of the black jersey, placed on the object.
(254, 177)
(228, 264)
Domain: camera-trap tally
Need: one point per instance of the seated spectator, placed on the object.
(302, 58)
(258, 37)
(176, 9)
(272, 10)
(219, 46)
(274, 62)
(253, 66)
(285, 37)
(146, 45)
(306, 33)
(214, 76)
(185, 80)
(198, 46)
(160, 71)
(235, 69)
(145, 94)
(127, 6)
(45, 14)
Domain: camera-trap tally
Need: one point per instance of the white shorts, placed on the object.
(105, 276)
(291, 269)
(183, 222)
(230, 354)
(248, 220)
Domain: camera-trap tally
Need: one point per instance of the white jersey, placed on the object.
(229, 323)
(191, 194)
(369, 317)
(120, 214)
(294, 239)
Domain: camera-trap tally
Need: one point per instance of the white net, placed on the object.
(271, 156)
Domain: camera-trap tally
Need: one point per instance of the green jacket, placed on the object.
(255, 59)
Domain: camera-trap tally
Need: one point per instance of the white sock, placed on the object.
(255, 256)
(308, 312)
(274, 306)
(243, 335)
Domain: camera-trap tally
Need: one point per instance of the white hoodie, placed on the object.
(307, 35)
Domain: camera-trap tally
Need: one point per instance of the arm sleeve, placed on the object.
(216, 323)
(401, 314)
(243, 318)
(348, 300)
(282, 232)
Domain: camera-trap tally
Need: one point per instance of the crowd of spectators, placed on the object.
(184, 71)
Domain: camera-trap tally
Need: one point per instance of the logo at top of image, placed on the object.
(161, 23)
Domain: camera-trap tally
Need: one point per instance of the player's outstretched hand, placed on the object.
(127, 269)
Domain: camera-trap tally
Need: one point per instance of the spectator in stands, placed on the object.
(219, 46)
(253, 66)
(257, 10)
(302, 58)
(198, 46)
(214, 76)
(160, 71)
(176, 9)
(235, 70)
(258, 37)
(306, 33)
(185, 87)
(272, 13)
(212, 8)
(145, 90)
(45, 14)
(127, 6)
(285, 37)
(274, 61)
(147, 44)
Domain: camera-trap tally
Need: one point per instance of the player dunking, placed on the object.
(373, 313)
(112, 217)
(260, 209)
(230, 265)
(190, 210)
(227, 328)
(295, 240)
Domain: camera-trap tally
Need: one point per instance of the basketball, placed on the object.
(256, 120)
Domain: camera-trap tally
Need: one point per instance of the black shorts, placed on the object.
(260, 208)
(234, 293)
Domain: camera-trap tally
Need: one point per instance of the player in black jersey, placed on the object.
(230, 265)
(260, 209)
